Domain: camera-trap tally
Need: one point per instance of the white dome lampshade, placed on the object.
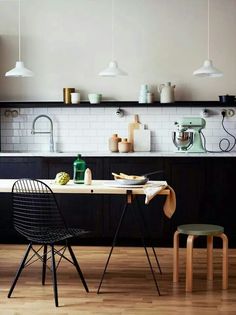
(112, 70)
(19, 70)
(208, 70)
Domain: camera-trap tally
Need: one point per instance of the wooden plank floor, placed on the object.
(128, 287)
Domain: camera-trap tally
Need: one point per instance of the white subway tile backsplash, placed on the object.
(21, 147)
(97, 111)
(170, 110)
(25, 111)
(10, 132)
(40, 111)
(88, 129)
(8, 147)
(56, 111)
(23, 125)
(195, 111)
(10, 125)
(184, 111)
(154, 111)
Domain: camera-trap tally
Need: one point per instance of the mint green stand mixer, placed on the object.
(187, 138)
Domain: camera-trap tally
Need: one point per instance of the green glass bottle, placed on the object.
(79, 170)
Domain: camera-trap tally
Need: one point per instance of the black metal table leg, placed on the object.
(148, 232)
(142, 227)
(141, 232)
(114, 240)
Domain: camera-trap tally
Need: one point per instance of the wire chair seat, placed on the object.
(37, 216)
(52, 235)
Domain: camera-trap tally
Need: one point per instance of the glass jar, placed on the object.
(79, 170)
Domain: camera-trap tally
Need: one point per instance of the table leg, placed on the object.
(148, 232)
(113, 243)
(141, 232)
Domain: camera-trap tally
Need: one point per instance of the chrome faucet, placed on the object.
(44, 132)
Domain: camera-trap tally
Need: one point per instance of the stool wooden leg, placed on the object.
(176, 257)
(189, 264)
(209, 257)
(224, 261)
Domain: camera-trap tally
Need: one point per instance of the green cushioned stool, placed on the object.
(193, 231)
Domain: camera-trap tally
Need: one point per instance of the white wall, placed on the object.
(67, 42)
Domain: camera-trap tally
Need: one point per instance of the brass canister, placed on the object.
(66, 95)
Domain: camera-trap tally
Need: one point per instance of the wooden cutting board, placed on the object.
(142, 139)
(131, 127)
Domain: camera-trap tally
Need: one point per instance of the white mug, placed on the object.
(75, 97)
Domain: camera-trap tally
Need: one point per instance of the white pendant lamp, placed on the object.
(19, 70)
(208, 70)
(112, 70)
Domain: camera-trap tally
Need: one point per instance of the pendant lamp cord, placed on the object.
(19, 29)
(208, 29)
(112, 30)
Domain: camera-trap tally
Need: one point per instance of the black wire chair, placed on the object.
(37, 216)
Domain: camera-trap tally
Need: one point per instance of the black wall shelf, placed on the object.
(30, 104)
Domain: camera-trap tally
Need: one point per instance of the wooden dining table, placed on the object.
(97, 187)
(108, 187)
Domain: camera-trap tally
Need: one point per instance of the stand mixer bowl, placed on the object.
(182, 139)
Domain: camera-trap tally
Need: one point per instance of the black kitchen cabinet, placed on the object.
(152, 213)
(187, 177)
(65, 164)
(203, 188)
(85, 211)
(15, 168)
(219, 203)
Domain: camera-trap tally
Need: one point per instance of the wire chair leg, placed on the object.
(78, 267)
(54, 275)
(21, 267)
(44, 264)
